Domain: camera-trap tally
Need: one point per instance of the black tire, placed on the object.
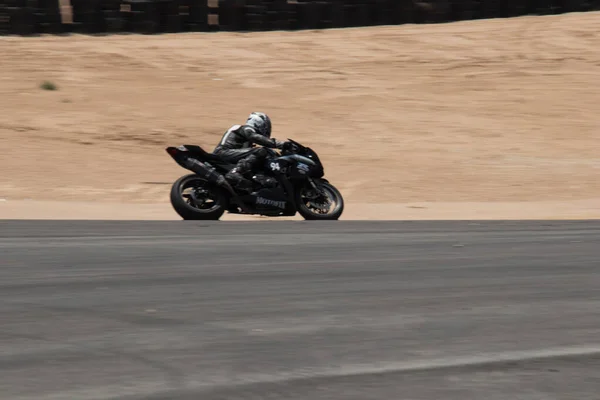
(186, 210)
(332, 215)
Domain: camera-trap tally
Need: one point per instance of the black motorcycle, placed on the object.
(290, 181)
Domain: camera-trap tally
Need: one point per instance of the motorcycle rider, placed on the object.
(236, 147)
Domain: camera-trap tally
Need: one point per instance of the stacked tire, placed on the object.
(197, 18)
(4, 20)
(87, 17)
(277, 15)
(171, 19)
(144, 16)
(47, 17)
(256, 13)
(19, 17)
(233, 15)
(111, 20)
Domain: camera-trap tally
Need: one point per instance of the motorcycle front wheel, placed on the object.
(325, 204)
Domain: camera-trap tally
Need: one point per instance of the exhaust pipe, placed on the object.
(210, 173)
(207, 172)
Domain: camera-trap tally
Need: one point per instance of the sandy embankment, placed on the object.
(483, 119)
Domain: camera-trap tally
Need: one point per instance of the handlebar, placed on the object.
(292, 145)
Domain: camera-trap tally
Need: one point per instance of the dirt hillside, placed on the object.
(477, 112)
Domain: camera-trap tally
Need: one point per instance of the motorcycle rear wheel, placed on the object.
(192, 206)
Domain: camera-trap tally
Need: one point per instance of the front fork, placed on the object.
(290, 190)
(318, 192)
(314, 185)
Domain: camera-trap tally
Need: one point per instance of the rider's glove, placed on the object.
(279, 144)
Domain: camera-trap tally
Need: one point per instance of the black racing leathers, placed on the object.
(235, 147)
(242, 136)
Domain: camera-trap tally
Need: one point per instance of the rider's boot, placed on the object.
(236, 175)
(238, 181)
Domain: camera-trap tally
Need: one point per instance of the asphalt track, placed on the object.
(299, 310)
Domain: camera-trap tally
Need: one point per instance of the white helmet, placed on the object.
(261, 122)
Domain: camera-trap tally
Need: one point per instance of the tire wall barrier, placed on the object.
(32, 17)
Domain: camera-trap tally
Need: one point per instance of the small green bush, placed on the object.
(47, 85)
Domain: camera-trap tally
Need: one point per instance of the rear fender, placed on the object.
(190, 148)
(186, 159)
